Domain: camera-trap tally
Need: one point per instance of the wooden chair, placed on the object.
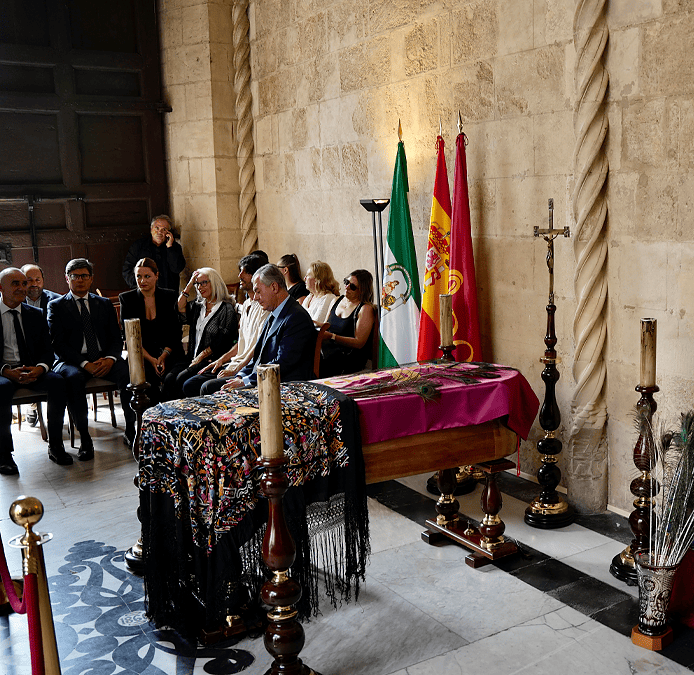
(316, 354)
(95, 386)
(27, 396)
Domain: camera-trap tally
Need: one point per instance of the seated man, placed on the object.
(37, 295)
(288, 337)
(87, 343)
(26, 362)
(251, 319)
(161, 246)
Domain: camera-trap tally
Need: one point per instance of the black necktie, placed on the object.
(21, 342)
(266, 333)
(88, 330)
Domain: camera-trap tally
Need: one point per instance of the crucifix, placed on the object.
(549, 510)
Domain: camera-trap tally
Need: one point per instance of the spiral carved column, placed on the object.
(588, 451)
(244, 114)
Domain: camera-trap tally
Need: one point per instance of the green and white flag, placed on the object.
(400, 291)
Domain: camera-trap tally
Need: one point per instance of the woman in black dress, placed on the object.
(159, 324)
(347, 346)
(214, 330)
(291, 270)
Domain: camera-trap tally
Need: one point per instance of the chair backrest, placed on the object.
(316, 354)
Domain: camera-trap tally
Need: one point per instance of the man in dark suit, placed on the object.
(26, 363)
(87, 342)
(288, 337)
(37, 295)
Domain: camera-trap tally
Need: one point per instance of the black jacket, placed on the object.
(170, 262)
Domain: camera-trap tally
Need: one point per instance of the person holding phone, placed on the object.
(161, 246)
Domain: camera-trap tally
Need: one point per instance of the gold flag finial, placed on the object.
(440, 128)
(460, 123)
(399, 130)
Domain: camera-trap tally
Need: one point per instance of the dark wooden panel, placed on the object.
(107, 82)
(103, 26)
(110, 214)
(108, 264)
(111, 149)
(24, 23)
(47, 216)
(34, 79)
(29, 148)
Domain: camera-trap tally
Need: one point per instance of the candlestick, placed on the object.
(269, 401)
(446, 316)
(648, 340)
(136, 360)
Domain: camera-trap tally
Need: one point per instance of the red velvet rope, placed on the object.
(31, 597)
(17, 606)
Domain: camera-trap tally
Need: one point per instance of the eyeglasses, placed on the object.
(202, 283)
(76, 277)
(350, 285)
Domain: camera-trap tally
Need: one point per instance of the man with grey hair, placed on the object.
(161, 246)
(87, 341)
(25, 362)
(288, 337)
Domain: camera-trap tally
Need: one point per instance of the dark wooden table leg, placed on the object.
(488, 542)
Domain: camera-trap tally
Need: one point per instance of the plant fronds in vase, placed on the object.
(672, 514)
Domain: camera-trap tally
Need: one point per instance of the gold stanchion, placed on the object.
(26, 512)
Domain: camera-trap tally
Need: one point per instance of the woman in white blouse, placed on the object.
(323, 291)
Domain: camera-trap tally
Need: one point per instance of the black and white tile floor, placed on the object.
(422, 610)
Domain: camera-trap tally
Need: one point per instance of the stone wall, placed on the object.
(200, 131)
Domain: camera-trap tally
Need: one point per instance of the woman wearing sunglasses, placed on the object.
(347, 346)
(213, 322)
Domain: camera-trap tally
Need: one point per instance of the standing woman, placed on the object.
(213, 328)
(323, 291)
(347, 346)
(159, 324)
(291, 270)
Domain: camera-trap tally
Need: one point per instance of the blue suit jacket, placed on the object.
(65, 326)
(35, 335)
(290, 342)
(46, 297)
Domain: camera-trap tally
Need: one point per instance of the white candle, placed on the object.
(133, 343)
(269, 401)
(446, 317)
(648, 341)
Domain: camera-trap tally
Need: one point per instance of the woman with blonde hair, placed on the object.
(323, 291)
(213, 322)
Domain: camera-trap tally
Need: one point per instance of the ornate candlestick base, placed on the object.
(139, 403)
(284, 637)
(644, 488)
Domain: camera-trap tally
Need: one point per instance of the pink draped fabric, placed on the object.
(394, 414)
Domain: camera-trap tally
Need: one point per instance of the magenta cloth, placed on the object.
(495, 391)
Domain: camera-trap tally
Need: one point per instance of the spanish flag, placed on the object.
(461, 280)
(437, 261)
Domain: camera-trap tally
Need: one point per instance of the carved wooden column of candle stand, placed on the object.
(644, 488)
(284, 636)
(549, 510)
(139, 402)
(466, 477)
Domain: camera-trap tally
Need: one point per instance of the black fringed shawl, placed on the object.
(203, 522)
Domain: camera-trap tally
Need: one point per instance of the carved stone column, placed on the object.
(244, 114)
(587, 484)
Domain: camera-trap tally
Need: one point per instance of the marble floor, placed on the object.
(422, 611)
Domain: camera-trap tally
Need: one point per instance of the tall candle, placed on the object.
(648, 341)
(271, 432)
(446, 316)
(133, 343)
